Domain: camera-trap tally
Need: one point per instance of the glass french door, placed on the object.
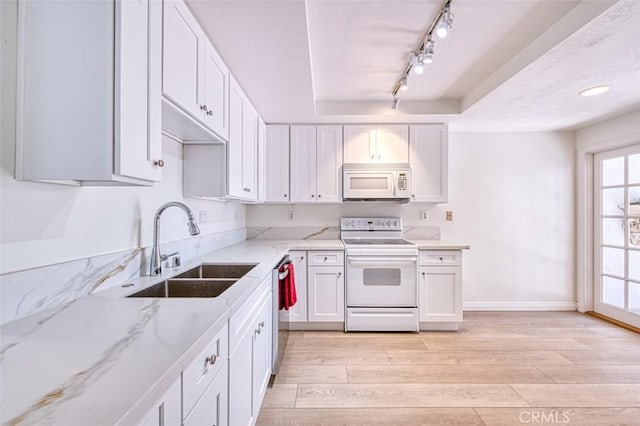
(617, 234)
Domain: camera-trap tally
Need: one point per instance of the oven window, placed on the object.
(381, 277)
(368, 182)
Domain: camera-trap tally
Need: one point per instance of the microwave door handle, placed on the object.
(395, 184)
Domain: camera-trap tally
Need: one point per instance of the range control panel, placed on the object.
(371, 224)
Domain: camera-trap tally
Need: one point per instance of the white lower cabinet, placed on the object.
(320, 287)
(212, 407)
(326, 293)
(440, 275)
(250, 356)
(298, 312)
(167, 410)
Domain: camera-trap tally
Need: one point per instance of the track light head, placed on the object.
(395, 102)
(444, 25)
(404, 83)
(418, 63)
(428, 51)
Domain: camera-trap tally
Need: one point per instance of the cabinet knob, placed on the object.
(325, 258)
(424, 274)
(313, 196)
(373, 156)
(261, 324)
(285, 195)
(159, 163)
(301, 257)
(413, 195)
(441, 259)
(319, 195)
(339, 274)
(211, 359)
(203, 107)
(258, 330)
(209, 113)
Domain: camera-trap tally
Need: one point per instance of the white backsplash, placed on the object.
(34, 290)
(329, 232)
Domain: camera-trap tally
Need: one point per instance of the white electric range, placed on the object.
(381, 275)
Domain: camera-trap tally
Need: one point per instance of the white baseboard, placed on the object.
(520, 306)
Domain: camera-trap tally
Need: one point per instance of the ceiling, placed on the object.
(507, 64)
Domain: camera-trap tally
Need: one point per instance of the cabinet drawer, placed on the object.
(440, 257)
(332, 258)
(197, 376)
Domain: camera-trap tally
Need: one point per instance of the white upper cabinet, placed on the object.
(329, 164)
(274, 164)
(429, 159)
(316, 164)
(91, 111)
(195, 81)
(376, 144)
(242, 146)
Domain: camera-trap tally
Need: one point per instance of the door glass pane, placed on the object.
(613, 171)
(634, 201)
(613, 232)
(634, 168)
(634, 297)
(613, 202)
(613, 261)
(386, 277)
(369, 182)
(634, 265)
(634, 232)
(613, 291)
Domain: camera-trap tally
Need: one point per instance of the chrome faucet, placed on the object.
(156, 257)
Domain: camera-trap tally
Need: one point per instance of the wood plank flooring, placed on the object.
(499, 369)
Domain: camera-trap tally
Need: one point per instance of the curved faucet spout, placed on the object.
(156, 258)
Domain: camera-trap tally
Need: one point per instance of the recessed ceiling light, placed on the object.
(595, 90)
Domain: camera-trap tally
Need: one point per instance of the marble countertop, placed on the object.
(105, 358)
(439, 245)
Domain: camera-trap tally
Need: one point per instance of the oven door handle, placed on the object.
(400, 259)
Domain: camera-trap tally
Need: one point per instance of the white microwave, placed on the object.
(376, 182)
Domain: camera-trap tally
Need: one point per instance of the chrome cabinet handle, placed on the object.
(203, 107)
(261, 324)
(211, 359)
(258, 330)
(209, 113)
(159, 163)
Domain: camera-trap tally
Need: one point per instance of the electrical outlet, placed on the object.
(424, 214)
(202, 217)
(449, 215)
(290, 215)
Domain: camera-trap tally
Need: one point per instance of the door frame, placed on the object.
(584, 215)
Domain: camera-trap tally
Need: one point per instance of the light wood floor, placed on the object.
(499, 369)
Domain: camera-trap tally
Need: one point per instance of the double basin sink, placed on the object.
(202, 281)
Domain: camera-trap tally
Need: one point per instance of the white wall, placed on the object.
(512, 195)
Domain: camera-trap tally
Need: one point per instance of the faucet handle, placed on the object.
(172, 259)
(167, 256)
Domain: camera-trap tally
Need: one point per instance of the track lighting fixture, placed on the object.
(446, 21)
(404, 83)
(423, 54)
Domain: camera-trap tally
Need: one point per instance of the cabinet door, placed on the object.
(215, 92)
(329, 164)
(249, 151)
(234, 145)
(326, 293)
(275, 160)
(167, 411)
(137, 90)
(212, 408)
(392, 144)
(182, 38)
(261, 356)
(298, 312)
(359, 144)
(440, 294)
(240, 381)
(428, 157)
(303, 164)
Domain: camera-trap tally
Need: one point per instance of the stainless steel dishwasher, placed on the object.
(280, 331)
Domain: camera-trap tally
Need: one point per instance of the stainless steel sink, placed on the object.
(223, 271)
(202, 281)
(186, 288)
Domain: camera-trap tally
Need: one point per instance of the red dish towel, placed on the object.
(288, 296)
